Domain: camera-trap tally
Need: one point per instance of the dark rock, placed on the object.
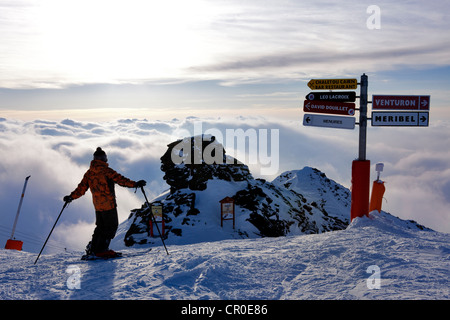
(273, 209)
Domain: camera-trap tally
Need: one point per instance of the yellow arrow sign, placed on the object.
(332, 84)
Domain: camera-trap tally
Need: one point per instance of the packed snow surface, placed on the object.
(380, 257)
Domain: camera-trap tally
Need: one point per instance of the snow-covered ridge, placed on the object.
(334, 198)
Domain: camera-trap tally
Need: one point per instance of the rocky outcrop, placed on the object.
(191, 162)
(200, 174)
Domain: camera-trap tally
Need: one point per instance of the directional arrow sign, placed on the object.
(396, 102)
(332, 107)
(332, 84)
(343, 96)
(329, 121)
(400, 119)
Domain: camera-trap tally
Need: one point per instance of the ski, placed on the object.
(115, 256)
(135, 254)
(94, 257)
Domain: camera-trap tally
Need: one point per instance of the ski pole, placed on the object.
(153, 218)
(65, 205)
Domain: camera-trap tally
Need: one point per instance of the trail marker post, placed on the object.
(361, 166)
(12, 243)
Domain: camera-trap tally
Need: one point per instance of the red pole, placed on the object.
(360, 188)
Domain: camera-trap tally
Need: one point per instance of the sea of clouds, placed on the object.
(57, 153)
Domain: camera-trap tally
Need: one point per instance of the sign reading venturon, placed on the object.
(397, 102)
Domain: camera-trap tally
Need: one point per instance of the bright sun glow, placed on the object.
(108, 40)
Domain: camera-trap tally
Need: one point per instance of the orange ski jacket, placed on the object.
(100, 178)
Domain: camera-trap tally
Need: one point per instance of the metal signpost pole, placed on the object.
(361, 167)
(363, 118)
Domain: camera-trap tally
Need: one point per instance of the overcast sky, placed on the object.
(70, 70)
(162, 58)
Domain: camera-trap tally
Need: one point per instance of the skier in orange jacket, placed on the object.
(100, 179)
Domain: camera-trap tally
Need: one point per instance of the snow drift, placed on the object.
(412, 262)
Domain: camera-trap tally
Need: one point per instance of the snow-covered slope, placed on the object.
(292, 240)
(409, 263)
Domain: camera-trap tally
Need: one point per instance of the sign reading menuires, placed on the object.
(329, 121)
(332, 84)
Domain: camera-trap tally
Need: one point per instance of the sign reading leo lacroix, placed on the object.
(342, 96)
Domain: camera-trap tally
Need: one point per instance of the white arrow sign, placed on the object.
(399, 119)
(329, 121)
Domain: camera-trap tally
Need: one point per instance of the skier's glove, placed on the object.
(141, 183)
(67, 199)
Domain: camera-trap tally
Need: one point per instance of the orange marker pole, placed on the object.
(360, 188)
(376, 199)
(378, 189)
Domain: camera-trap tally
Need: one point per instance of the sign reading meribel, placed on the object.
(399, 119)
(332, 84)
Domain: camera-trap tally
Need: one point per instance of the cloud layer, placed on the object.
(57, 153)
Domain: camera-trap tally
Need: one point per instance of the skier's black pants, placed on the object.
(105, 230)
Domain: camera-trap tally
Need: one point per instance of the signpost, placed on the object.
(329, 121)
(319, 106)
(400, 119)
(227, 210)
(401, 110)
(343, 96)
(157, 211)
(332, 84)
(396, 102)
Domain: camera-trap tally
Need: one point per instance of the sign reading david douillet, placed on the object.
(332, 107)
